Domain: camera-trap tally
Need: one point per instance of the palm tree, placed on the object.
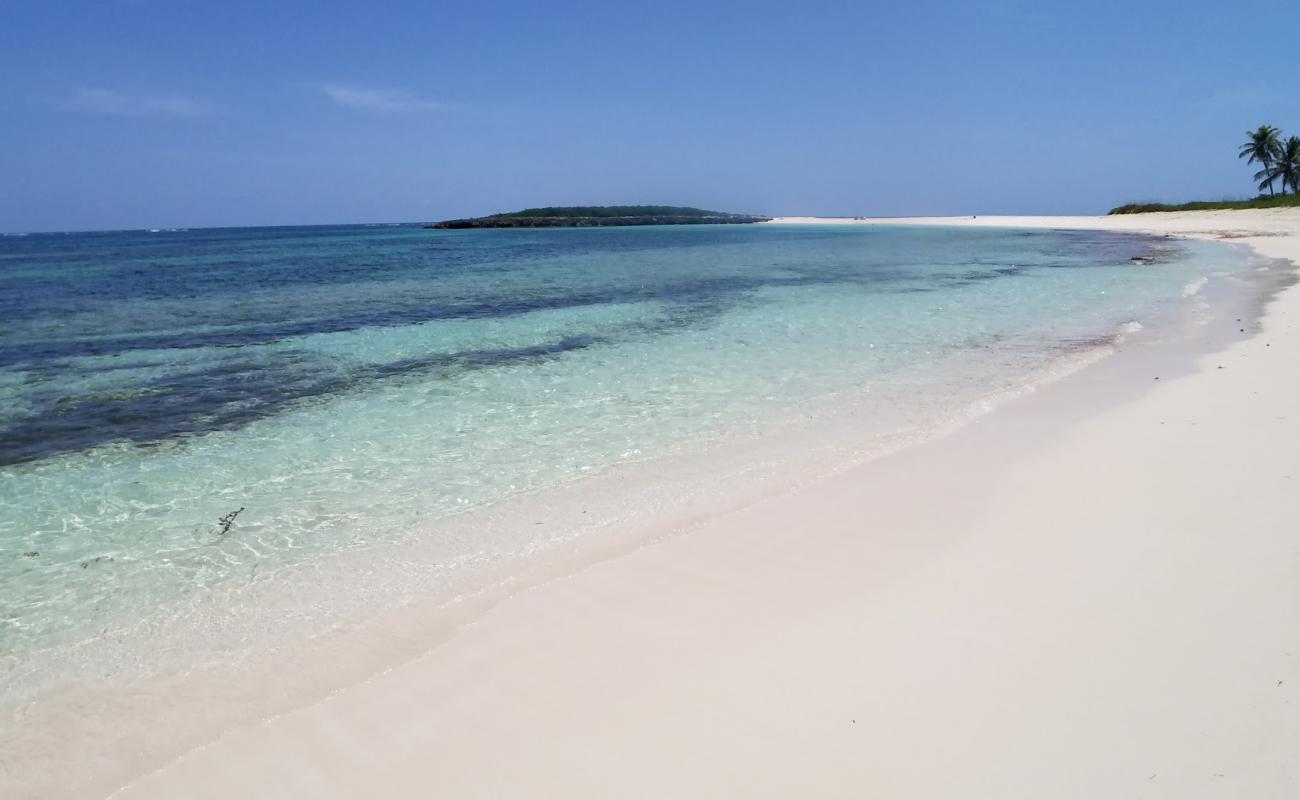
(1262, 148)
(1286, 165)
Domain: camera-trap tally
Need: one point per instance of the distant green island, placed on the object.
(599, 217)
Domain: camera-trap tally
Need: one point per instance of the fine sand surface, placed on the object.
(1092, 592)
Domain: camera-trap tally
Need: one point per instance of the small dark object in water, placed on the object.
(1157, 377)
(228, 520)
(95, 560)
(32, 553)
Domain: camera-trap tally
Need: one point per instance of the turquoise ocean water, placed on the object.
(181, 411)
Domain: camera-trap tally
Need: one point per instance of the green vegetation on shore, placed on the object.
(600, 216)
(1279, 161)
(1276, 201)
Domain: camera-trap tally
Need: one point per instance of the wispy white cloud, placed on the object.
(108, 101)
(378, 98)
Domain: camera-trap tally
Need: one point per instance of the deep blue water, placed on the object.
(104, 304)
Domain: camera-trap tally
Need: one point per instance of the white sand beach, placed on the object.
(1091, 592)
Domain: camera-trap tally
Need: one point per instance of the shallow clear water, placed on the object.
(341, 387)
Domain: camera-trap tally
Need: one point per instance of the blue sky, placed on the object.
(163, 113)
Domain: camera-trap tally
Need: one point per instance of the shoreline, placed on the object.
(1227, 223)
(631, 576)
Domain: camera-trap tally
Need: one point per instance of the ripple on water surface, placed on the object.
(343, 387)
